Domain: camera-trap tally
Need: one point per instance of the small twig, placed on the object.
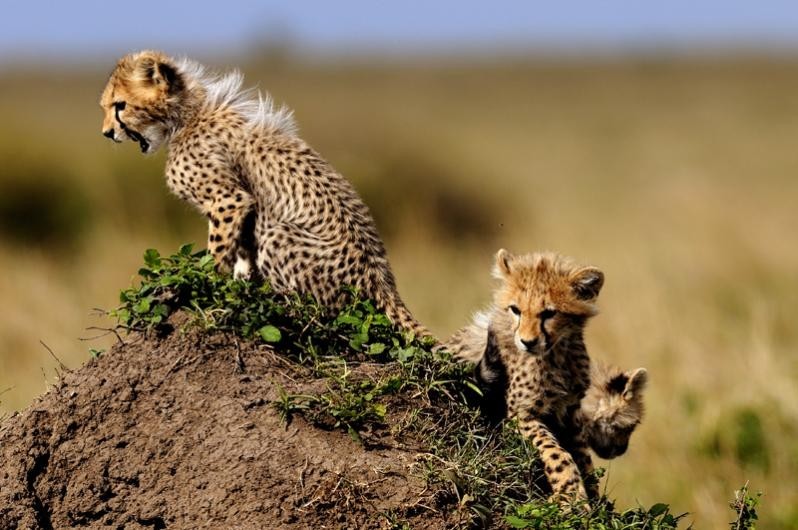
(175, 364)
(52, 354)
(106, 331)
(240, 366)
(302, 474)
(741, 502)
(311, 321)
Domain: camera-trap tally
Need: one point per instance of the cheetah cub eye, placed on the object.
(547, 314)
(514, 310)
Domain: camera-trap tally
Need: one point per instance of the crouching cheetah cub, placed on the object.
(239, 161)
(608, 414)
(531, 355)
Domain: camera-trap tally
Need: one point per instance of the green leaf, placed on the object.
(357, 341)
(123, 315)
(517, 522)
(205, 262)
(186, 249)
(143, 306)
(404, 354)
(346, 318)
(354, 434)
(168, 280)
(470, 384)
(658, 509)
(381, 320)
(270, 333)
(152, 258)
(376, 348)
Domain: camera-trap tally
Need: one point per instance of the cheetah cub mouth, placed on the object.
(133, 135)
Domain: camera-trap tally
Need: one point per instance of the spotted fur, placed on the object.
(532, 349)
(237, 158)
(612, 408)
(609, 413)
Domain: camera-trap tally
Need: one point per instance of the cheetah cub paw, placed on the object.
(242, 270)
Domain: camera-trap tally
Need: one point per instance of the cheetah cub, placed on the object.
(609, 413)
(239, 161)
(612, 408)
(535, 350)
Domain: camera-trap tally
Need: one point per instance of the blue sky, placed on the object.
(74, 28)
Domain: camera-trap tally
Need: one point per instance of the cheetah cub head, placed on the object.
(613, 408)
(545, 298)
(143, 99)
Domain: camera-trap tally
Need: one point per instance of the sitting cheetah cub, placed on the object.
(535, 350)
(239, 161)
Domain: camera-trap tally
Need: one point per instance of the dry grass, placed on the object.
(677, 178)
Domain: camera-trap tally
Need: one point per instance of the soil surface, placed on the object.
(181, 432)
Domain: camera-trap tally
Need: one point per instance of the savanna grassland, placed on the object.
(677, 177)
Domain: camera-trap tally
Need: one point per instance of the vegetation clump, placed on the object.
(379, 383)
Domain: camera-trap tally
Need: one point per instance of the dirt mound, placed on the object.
(180, 432)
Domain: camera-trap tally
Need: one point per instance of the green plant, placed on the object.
(483, 471)
(600, 517)
(744, 506)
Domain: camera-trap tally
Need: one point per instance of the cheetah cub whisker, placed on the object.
(275, 208)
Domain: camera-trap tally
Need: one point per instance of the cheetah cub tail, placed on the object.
(400, 315)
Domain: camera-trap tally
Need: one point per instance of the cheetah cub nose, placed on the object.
(529, 345)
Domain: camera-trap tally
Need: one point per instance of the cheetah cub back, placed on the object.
(240, 162)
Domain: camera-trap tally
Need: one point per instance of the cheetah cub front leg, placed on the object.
(226, 230)
(561, 470)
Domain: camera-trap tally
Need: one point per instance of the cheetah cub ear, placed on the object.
(158, 71)
(635, 385)
(502, 269)
(587, 283)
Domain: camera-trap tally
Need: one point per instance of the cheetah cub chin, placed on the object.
(275, 208)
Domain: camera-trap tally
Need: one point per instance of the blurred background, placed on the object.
(653, 140)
